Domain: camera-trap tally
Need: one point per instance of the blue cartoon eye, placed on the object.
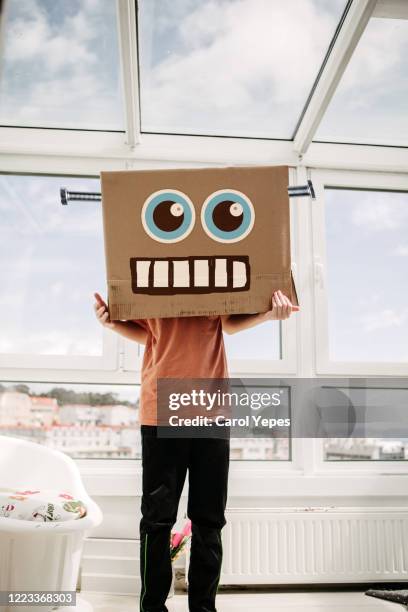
(168, 215)
(227, 215)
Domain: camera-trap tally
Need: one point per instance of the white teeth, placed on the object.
(181, 274)
(142, 273)
(200, 269)
(161, 274)
(239, 274)
(201, 273)
(220, 274)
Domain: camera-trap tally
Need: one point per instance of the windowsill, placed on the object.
(252, 480)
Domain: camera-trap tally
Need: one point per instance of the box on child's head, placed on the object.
(197, 241)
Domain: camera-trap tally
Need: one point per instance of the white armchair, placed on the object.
(34, 555)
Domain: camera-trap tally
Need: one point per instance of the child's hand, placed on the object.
(102, 312)
(282, 307)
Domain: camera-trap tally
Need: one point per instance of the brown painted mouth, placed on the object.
(173, 275)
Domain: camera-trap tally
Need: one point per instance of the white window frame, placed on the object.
(83, 152)
(306, 471)
(13, 361)
(123, 357)
(321, 180)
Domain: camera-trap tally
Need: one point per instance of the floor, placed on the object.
(329, 601)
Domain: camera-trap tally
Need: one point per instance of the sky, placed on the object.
(201, 71)
(61, 65)
(227, 67)
(367, 262)
(370, 105)
(52, 261)
(238, 67)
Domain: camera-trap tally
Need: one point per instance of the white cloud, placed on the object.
(30, 206)
(61, 72)
(248, 64)
(375, 216)
(57, 342)
(384, 319)
(376, 213)
(370, 102)
(380, 49)
(401, 250)
(31, 37)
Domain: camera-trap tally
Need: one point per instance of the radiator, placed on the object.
(278, 546)
(314, 545)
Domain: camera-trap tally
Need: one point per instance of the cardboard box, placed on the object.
(200, 241)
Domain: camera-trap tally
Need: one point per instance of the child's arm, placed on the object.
(128, 329)
(282, 308)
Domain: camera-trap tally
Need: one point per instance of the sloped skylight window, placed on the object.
(61, 65)
(371, 102)
(231, 67)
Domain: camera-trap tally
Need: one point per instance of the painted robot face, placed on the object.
(196, 241)
(168, 216)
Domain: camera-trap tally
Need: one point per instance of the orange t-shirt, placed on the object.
(179, 347)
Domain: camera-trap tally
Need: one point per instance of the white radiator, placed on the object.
(278, 546)
(314, 545)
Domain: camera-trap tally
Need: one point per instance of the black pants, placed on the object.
(165, 462)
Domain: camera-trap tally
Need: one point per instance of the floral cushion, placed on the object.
(40, 505)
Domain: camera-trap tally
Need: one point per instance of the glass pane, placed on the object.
(96, 421)
(260, 449)
(377, 403)
(367, 261)
(371, 101)
(51, 262)
(260, 342)
(83, 421)
(61, 65)
(365, 449)
(232, 67)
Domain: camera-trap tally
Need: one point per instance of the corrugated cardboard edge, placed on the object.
(294, 297)
(130, 311)
(110, 309)
(120, 308)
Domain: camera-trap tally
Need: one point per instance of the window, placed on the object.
(260, 449)
(51, 262)
(260, 342)
(360, 223)
(367, 255)
(228, 68)
(378, 402)
(365, 449)
(237, 68)
(61, 65)
(371, 101)
(94, 421)
(88, 421)
(258, 349)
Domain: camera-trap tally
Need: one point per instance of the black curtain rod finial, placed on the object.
(312, 191)
(63, 194)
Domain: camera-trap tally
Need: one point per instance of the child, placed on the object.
(183, 347)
